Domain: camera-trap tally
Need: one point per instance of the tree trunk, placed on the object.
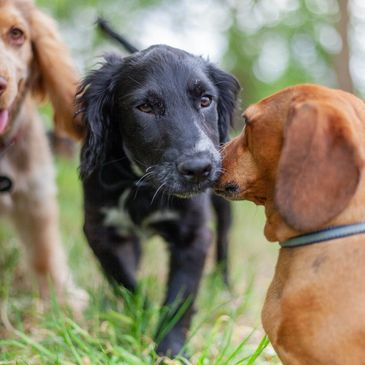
(342, 60)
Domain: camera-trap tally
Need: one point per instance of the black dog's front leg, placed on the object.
(186, 267)
(223, 213)
(118, 256)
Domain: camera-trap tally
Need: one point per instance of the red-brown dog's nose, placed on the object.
(231, 188)
(3, 85)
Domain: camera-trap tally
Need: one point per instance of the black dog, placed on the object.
(155, 121)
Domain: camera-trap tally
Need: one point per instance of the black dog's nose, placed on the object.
(3, 85)
(195, 169)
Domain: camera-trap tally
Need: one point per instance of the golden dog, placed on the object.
(34, 63)
(301, 154)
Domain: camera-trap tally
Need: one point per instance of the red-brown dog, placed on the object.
(301, 154)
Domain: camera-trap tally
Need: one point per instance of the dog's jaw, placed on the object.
(164, 176)
(275, 227)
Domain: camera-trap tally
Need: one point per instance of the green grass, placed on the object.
(119, 329)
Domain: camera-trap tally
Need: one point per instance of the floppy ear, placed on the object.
(319, 168)
(95, 102)
(228, 89)
(55, 75)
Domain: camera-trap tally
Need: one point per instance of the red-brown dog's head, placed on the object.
(300, 155)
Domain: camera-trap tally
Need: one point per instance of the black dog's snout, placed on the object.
(195, 169)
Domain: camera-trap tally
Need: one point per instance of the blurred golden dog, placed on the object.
(301, 155)
(34, 63)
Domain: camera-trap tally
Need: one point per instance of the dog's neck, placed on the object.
(275, 227)
(277, 230)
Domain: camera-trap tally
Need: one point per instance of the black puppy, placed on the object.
(221, 206)
(154, 121)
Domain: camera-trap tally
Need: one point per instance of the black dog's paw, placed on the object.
(171, 345)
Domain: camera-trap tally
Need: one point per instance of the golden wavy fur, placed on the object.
(35, 64)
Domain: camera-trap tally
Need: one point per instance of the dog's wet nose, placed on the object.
(228, 189)
(3, 85)
(231, 188)
(195, 170)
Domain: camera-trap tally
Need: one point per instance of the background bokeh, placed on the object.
(267, 44)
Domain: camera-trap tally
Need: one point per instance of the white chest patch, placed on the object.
(119, 218)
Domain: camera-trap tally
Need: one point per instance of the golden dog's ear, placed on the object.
(319, 168)
(55, 75)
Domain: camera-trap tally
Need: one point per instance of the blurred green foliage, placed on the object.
(267, 44)
(272, 47)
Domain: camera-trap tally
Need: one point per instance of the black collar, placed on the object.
(327, 234)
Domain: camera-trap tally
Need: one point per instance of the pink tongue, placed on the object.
(4, 117)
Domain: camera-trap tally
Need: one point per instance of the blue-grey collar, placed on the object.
(327, 234)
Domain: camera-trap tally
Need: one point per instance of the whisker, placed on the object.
(222, 170)
(148, 174)
(155, 194)
(146, 177)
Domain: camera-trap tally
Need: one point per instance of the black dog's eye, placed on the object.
(145, 108)
(205, 101)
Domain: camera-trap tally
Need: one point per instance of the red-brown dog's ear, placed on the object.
(56, 77)
(319, 168)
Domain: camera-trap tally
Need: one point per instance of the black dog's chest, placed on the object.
(136, 214)
(129, 209)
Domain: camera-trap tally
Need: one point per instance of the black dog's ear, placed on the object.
(95, 101)
(228, 88)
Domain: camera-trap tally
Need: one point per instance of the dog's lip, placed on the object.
(229, 189)
(220, 190)
(258, 200)
(4, 119)
(5, 116)
(189, 191)
(240, 195)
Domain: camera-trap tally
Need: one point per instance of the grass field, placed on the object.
(226, 329)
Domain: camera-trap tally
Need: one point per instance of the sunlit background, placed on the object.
(267, 44)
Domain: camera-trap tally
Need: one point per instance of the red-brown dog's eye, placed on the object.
(17, 36)
(205, 101)
(145, 108)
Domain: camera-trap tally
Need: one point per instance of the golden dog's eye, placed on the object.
(145, 108)
(205, 101)
(17, 36)
(245, 120)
